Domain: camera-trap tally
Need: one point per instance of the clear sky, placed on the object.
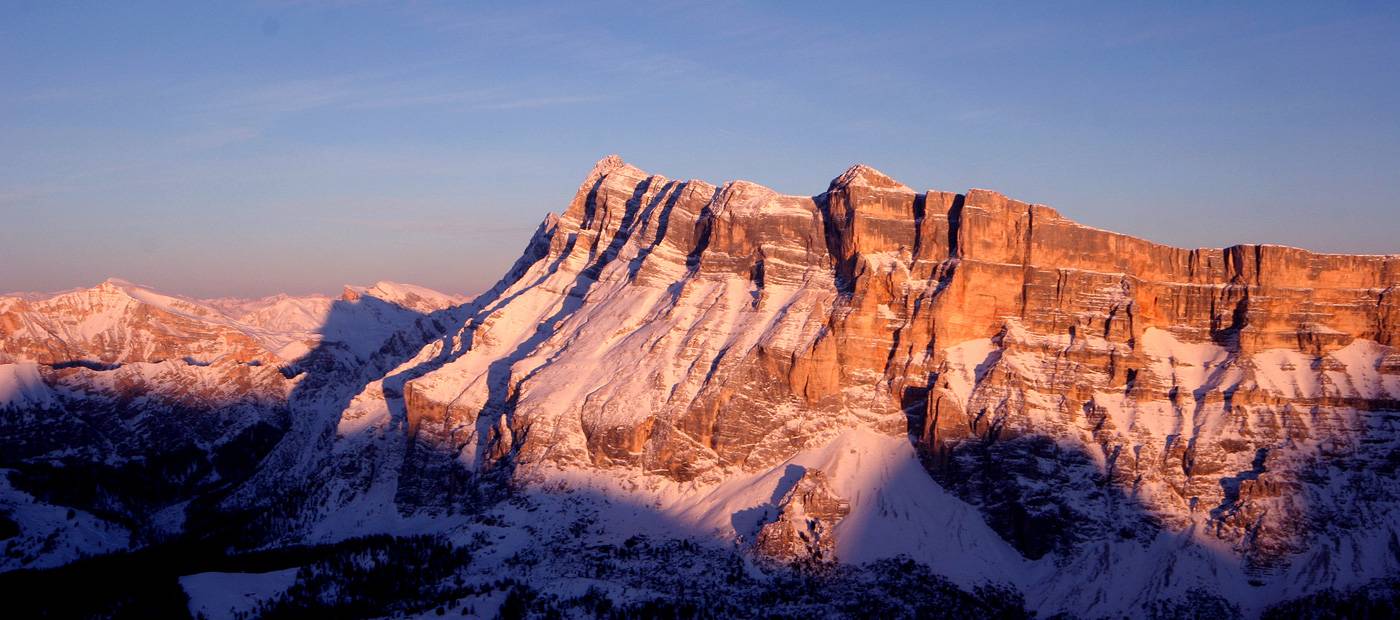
(244, 149)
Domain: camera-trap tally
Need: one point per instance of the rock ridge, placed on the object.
(693, 332)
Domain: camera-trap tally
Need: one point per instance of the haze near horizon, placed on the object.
(254, 148)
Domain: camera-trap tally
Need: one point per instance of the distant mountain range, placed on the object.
(691, 399)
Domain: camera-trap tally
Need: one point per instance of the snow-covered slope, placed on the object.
(22, 388)
(139, 410)
(1099, 425)
(1145, 426)
(895, 509)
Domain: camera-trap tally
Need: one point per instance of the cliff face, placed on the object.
(1076, 385)
(1105, 425)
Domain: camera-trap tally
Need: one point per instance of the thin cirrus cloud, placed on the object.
(486, 99)
(544, 102)
(270, 100)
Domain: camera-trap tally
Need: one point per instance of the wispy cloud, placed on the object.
(277, 97)
(266, 102)
(218, 137)
(544, 102)
(417, 97)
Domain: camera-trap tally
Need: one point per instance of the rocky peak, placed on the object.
(410, 297)
(866, 176)
(607, 164)
(114, 285)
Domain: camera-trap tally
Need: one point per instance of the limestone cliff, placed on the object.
(1105, 425)
(1076, 385)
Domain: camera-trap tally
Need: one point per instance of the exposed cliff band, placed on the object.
(692, 331)
(1111, 423)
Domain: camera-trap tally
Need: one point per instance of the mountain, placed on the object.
(124, 407)
(695, 397)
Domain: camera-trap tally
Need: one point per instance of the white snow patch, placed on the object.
(1362, 378)
(21, 387)
(1287, 372)
(964, 361)
(1190, 364)
(895, 509)
(225, 595)
(53, 535)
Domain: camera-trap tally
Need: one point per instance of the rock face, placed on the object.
(1107, 425)
(802, 529)
(1084, 389)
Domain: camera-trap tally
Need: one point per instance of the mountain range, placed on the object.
(689, 399)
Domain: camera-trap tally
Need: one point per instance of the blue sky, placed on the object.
(244, 149)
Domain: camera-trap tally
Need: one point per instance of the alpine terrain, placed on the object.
(721, 401)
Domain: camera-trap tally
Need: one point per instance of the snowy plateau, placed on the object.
(690, 400)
